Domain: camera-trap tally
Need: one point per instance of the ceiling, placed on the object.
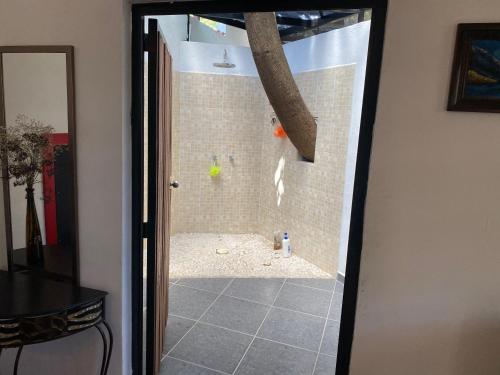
(299, 24)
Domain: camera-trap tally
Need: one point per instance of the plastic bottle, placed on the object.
(277, 240)
(287, 248)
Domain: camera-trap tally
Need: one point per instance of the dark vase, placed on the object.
(34, 247)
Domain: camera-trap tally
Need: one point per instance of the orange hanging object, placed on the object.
(279, 132)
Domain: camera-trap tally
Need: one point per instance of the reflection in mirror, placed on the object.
(38, 160)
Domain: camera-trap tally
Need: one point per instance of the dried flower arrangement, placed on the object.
(26, 150)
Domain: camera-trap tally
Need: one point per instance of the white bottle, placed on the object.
(287, 248)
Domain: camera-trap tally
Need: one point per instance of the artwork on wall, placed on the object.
(475, 80)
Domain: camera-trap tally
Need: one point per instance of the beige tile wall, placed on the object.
(311, 206)
(219, 115)
(226, 115)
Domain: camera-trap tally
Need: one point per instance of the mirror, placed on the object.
(37, 138)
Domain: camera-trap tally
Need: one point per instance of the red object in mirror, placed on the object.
(53, 191)
(279, 132)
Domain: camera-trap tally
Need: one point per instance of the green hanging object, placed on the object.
(214, 171)
(215, 168)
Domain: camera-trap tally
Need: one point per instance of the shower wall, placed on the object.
(219, 115)
(229, 116)
(310, 208)
(225, 113)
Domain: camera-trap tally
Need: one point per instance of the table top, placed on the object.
(58, 260)
(24, 295)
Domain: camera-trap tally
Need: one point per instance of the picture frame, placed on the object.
(475, 79)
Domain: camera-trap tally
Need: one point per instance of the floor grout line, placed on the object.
(201, 316)
(324, 330)
(195, 364)
(313, 287)
(259, 303)
(225, 328)
(179, 282)
(290, 345)
(182, 317)
(255, 336)
(200, 290)
(249, 334)
(258, 329)
(300, 312)
(247, 300)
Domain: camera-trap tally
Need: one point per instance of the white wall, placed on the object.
(430, 272)
(99, 30)
(174, 29)
(198, 57)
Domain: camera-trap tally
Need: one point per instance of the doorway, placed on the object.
(216, 226)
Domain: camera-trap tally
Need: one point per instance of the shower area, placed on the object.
(233, 297)
(242, 181)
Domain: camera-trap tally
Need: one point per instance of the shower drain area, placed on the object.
(201, 255)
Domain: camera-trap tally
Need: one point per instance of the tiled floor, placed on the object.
(252, 326)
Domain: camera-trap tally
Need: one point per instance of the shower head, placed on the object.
(225, 63)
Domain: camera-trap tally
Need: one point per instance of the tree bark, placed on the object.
(278, 82)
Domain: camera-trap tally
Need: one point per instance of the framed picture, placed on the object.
(475, 79)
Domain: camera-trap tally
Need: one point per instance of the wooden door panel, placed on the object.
(159, 155)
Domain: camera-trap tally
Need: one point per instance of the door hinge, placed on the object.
(145, 231)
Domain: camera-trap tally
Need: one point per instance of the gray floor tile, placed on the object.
(176, 328)
(270, 358)
(299, 298)
(215, 285)
(236, 314)
(172, 366)
(331, 338)
(339, 287)
(325, 284)
(293, 328)
(325, 366)
(188, 302)
(212, 347)
(259, 290)
(336, 309)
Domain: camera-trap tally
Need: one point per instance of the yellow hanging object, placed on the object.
(214, 170)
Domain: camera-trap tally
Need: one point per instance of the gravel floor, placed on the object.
(248, 255)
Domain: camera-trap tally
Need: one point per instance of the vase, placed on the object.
(34, 247)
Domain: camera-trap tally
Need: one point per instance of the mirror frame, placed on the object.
(70, 84)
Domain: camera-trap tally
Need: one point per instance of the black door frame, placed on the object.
(372, 79)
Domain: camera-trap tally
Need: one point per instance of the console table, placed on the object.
(35, 310)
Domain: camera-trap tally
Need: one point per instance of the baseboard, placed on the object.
(340, 277)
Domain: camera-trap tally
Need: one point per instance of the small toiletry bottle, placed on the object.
(287, 248)
(277, 240)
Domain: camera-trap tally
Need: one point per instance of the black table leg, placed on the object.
(110, 334)
(104, 351)
(18, 355)
(107, 346)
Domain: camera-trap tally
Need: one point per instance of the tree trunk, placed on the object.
(278, 82)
